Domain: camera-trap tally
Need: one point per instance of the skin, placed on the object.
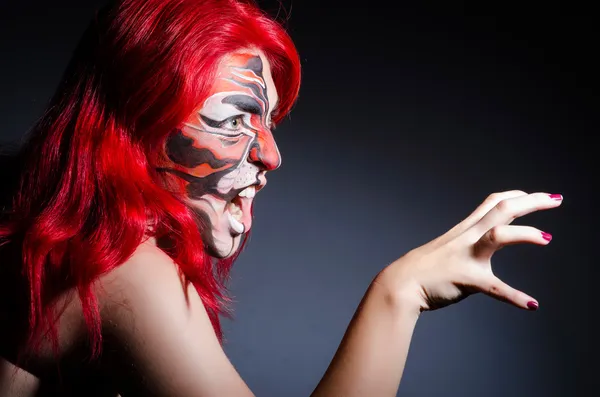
(158, 339)
(226, 146)
(182, 357)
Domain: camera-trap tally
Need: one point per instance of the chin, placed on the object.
(222, 247)
(221, 232)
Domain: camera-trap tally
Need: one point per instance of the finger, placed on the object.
(490, 202)
(508, 210)
(498, 289)
(502, 235)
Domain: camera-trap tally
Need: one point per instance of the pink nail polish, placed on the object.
(532, 305)
(556, 197)
(546, 236)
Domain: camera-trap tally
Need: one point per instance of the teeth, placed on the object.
(235, 211)
(235, 224)
(233, 207)
(248, 192)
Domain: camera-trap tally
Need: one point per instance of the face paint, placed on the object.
(223, 150)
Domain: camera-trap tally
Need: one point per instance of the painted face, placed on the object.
(224, 149)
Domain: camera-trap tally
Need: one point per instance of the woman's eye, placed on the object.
(234, 124)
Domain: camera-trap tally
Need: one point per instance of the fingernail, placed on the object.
(556, 197)
(532, 305)
(546, 236)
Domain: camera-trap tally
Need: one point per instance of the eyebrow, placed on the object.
(244, 103)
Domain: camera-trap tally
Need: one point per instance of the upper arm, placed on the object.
(162, 338)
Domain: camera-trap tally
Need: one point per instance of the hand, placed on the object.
(458, 263)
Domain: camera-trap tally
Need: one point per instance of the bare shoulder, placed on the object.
(148, 291)
(159, 327)
(148, 275)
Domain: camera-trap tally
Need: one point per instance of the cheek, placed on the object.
(201, 154)
(224, 148)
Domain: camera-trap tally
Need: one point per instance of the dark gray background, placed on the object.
(407, 119)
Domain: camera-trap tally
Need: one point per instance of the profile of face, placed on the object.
(223, 151)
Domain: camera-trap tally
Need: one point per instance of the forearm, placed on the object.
(371, 357)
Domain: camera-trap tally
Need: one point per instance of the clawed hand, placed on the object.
(458, 263)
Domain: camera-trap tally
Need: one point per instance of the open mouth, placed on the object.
(239, 211)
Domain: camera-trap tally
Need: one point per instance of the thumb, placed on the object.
(498, 289)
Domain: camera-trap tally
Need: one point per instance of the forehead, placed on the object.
(243, 69)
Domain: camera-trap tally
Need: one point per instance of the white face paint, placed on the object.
(224, 150)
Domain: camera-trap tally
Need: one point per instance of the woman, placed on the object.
(136, 195)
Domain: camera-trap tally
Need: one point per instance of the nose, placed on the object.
(265, 152)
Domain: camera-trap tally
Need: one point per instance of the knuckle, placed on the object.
(498, 196)
(494, 235)
(500, 290)
(493, 197)
(494, 289)
(505, 207)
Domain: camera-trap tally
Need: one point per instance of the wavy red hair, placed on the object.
(88, 188)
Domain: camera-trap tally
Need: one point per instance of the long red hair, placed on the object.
(88, 188)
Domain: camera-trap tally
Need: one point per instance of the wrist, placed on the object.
(401, 295)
